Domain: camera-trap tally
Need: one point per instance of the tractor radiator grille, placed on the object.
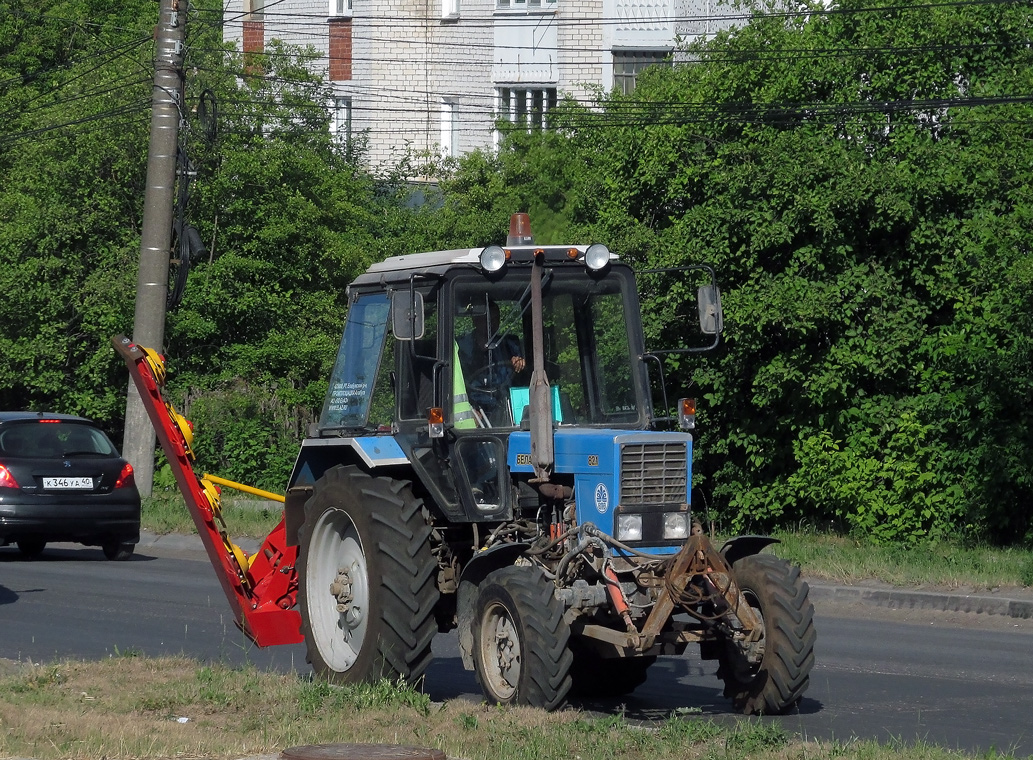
(653, 473)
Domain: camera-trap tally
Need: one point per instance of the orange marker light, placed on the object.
(520, 230)
(436, 422)
(687, 413)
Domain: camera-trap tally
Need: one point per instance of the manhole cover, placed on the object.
(360, 752)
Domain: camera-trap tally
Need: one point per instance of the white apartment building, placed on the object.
(434, 75)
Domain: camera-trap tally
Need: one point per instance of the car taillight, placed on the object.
(125, 478)
(7, 479)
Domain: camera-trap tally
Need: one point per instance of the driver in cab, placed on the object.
(490, 359)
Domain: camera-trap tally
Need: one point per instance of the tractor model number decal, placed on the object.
(602, 499)
(593, 460)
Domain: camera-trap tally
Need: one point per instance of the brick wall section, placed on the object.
(412, 66)
(340, 49)
(254, 36)
(581, 53)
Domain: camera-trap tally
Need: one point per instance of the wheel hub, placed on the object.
(342, 589)
(506, 651)
(500, 644)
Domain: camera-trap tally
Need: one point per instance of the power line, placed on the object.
(113, 86)
(119, 50)
(678, 57)
(625, 103)
(295, 18)
(619, 112)
(12, 138)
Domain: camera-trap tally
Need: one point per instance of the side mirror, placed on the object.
(711, 321)
(407, 315)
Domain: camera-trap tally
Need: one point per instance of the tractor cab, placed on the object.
(450, 358)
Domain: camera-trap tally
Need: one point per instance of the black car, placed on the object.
(62, 479)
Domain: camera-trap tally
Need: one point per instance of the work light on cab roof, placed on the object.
(520, 247)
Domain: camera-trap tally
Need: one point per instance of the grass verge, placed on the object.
(129, 707)
(165, 512)
(845, 560)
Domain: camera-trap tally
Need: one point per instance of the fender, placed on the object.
(477, 570)
(318, 455)
(736, 548)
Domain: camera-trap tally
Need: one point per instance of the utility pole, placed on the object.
(156, 237)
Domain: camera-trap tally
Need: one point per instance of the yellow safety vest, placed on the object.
(462, 411)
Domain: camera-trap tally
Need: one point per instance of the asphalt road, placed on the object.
(961, 681)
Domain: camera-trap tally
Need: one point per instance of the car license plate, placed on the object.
(67, 483)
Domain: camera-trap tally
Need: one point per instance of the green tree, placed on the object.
(855, 182)
(287, 214)
(289, 217)
(73, 100)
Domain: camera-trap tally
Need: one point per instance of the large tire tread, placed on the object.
(544, 635)
(789, 638)
(402, 576)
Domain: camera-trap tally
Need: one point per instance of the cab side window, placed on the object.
(416, 368)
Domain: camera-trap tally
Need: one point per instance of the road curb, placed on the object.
(905, 599)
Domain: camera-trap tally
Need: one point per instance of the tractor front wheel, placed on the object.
(778, 595)
(521, 653)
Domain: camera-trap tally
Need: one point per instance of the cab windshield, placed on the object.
(588, 357)
(355, 374)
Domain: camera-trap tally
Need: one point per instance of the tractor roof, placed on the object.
(438, 263)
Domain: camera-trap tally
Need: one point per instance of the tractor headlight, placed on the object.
(676, 525)
(597, 256)
(493, 258)
(629, 527)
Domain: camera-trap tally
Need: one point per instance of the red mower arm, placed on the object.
(262, 589)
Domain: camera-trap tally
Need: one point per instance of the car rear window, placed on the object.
(53, 439)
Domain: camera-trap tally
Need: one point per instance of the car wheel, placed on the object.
(118, 552)
(31, 547)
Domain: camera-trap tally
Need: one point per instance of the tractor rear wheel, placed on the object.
(774, 685)
(366, 579)
(521, 653)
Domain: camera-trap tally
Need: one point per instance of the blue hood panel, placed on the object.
(593, 457)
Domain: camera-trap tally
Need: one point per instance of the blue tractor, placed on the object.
(488, 459)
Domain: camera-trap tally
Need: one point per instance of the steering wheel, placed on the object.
(488, 378)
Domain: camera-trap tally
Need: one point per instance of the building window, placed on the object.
(526, 105)
(628, 63)
(525, 5)
(450, 9)
(449, 127)
(342, 119)
(340, 8)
